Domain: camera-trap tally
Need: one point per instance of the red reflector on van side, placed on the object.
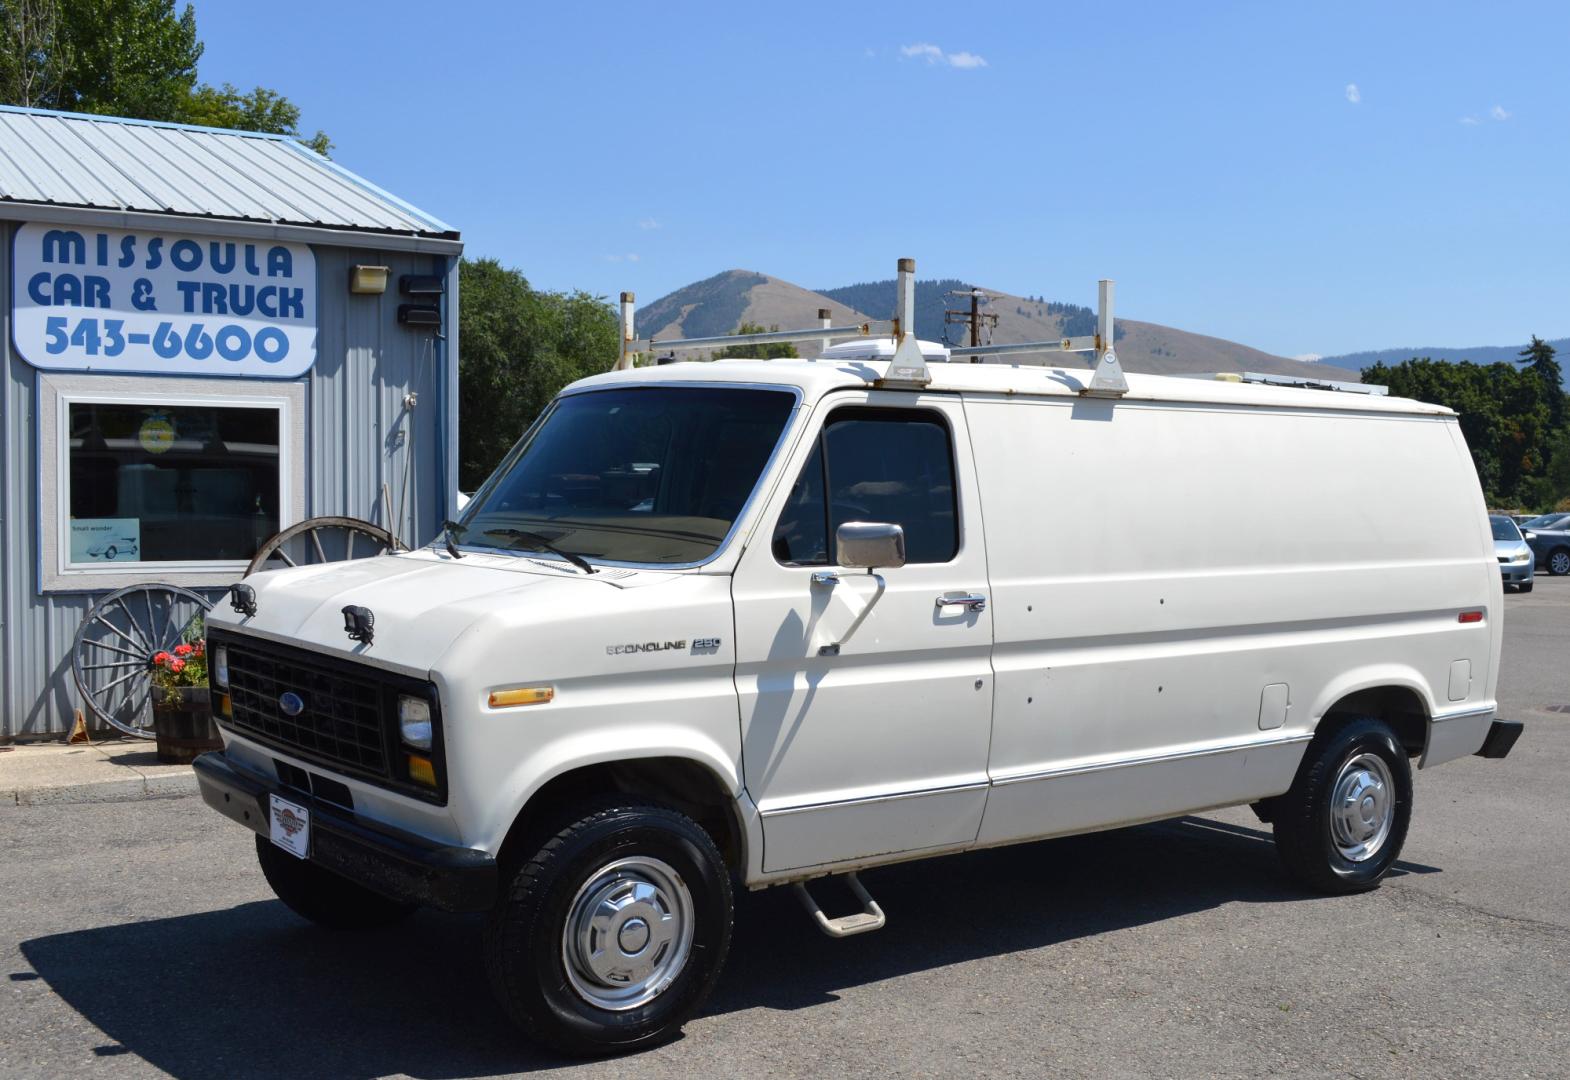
(1470, 616)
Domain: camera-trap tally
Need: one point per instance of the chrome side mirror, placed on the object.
(870, 545)
(1528, 535)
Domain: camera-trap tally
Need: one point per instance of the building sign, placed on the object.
(106, 301)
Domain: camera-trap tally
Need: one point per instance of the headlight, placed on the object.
(219, 668)
(414, 721)
(1522, 556)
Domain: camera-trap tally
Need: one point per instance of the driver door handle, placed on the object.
(969, 601)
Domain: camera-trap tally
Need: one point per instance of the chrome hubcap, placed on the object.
(628, 933)
(1362, 807)
(1560, 563)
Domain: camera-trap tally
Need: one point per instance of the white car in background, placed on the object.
(1513, 552)
(114, 547)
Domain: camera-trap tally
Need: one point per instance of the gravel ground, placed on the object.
(139, 939)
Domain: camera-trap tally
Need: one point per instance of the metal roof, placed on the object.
(109, 163)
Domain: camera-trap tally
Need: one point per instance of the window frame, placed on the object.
(923, 413)
(57, 393)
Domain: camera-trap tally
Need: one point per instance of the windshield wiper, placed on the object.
(544, 545)
(449, 530)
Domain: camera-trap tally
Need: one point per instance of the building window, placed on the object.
(874, 464)
(158, 483)
(178, 480)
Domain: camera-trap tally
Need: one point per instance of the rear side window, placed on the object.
(892, 465)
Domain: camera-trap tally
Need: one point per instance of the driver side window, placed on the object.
(871, 464)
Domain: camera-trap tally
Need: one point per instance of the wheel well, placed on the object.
(679, 783)
(1398, 706)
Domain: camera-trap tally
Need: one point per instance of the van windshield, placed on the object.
(642, 475)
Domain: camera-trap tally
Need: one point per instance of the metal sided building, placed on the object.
(210, 335)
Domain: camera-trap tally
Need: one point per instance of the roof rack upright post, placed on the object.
(1107, 380)
(624, 359)
(908, 365)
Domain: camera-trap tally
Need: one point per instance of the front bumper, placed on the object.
(392, 862)
(1516, 573)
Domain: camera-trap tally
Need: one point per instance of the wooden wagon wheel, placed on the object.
(112, 657)
(323, 540)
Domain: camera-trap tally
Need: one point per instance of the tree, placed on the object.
(518, 347)
(260, 110)
(134, 58)
(129, 58)
(33, 57)
(1538, 358)
(769, 350)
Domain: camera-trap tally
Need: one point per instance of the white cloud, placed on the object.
(1309, 357)
(1353, 94)
(629, 257)
(1498, 113)
(649, 223)
(934, 55)
(1470, 121)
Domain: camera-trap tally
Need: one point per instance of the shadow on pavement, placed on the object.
(251, 991)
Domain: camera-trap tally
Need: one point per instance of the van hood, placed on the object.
(423, 601)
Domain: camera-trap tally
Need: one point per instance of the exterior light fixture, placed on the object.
(359, 623)
(368, 280)
(243, 599)
(421, 285)
(419, 314)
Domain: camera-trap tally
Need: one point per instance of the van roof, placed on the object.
(814, 378)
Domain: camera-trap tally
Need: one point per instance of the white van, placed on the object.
(748, 623)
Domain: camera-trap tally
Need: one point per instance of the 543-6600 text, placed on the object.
(109, 337)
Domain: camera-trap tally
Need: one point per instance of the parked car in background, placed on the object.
(1515, 556)
(1557, 520)
(1550, 542)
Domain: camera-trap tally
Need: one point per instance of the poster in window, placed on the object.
(106, 540)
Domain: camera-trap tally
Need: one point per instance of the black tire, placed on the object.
(323, 897)
(1558, 561)
(1524, 588)
(526, 946)
(1305, 836)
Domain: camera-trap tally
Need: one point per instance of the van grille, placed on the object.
(347, 715)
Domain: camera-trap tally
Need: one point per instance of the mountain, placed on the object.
(720, 304)
(1478, 354)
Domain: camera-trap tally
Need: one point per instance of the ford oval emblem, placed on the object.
(290, 703)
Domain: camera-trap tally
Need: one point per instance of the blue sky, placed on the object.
(1308, 178)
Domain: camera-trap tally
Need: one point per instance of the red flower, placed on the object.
(183, 650)
(177, 665)
(201, 648)
(161, 657)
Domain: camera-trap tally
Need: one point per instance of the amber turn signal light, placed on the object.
(521, 695)
(421, 770)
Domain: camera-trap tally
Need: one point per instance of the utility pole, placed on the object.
(974, 318)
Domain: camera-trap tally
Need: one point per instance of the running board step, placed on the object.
(863, 922)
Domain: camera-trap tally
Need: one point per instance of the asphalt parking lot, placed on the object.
(139, 939)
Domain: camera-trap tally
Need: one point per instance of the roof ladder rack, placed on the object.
(908, 366)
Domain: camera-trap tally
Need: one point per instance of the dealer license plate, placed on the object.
(290, 827)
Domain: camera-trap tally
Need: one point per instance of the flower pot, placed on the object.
(184, 724)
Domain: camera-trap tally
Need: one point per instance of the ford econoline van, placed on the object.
(745, 624)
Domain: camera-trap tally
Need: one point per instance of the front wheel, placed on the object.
(612, 935)
(1524, 588)
(1559, 562)
(1341, 825)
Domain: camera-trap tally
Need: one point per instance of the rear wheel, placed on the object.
(1341, 826)
(612, 935)
(1559, 562)
(322, 896)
